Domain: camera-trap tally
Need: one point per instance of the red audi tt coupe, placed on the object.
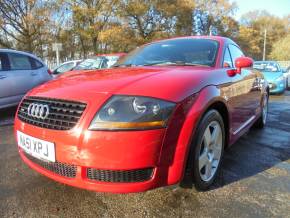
(162, 115)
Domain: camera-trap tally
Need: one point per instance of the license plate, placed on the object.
(38, 148)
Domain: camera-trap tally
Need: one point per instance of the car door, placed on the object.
(21, 75)
(39, 72)
(245, 91)
(6, 90)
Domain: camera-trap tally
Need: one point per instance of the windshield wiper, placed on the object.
(176, 63)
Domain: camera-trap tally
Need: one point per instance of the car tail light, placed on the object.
(49, 72)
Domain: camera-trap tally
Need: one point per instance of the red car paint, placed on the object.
(194, 90)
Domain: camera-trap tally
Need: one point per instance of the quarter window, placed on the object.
(227, 59)
(235, 52)
(3, 62)
(35, 63)
(19, 62)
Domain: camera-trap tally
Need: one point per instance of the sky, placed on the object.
(276, 7)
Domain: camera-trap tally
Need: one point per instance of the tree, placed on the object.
(177, 16)
(215, 17)
(90, 18)
(141, 17)
(25, 23)
(281, 49)
(121, 42)
(249, 40)
(252, 28)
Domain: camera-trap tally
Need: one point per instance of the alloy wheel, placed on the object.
(265, 109)
(211, 150)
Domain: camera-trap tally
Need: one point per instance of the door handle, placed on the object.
(2, 77)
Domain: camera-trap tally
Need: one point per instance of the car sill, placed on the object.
(244, 125)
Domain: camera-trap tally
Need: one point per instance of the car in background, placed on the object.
(65, 67)
(273, 74)
(162, 115)
(113, 58)
(286, 73)
(19, 73)
(92, 63)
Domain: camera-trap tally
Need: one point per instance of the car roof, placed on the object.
(266, 62)
(220, 39)
(21, 52)
(73, 61)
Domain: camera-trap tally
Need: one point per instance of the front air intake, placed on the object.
(120, 176)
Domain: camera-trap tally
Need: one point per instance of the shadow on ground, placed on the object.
(259, 150)
(7, 116)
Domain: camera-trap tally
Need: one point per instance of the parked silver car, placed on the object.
(19, 73)
(65, 67)
(93, 63)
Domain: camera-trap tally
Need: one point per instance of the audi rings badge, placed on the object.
(39, 111)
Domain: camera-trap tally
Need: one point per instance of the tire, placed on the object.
(206, 155)
(262, 121)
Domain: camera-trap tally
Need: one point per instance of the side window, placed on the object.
(4, 65)
(1, 60)
(235, 52)
(19, 62)
(228, 63)
(35, 63)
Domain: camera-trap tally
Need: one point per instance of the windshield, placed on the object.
(90, 64)
(177, 51)
(64, 68)
(266, 66)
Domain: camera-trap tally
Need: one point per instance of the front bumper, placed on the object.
(101, 150)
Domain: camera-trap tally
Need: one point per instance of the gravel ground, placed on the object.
(254, 182)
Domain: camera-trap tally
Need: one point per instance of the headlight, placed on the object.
(132, 112)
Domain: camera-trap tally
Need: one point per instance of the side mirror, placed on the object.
(232, 72)
(243, 62)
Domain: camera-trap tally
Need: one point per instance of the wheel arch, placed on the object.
(210, 97)
(223, 110)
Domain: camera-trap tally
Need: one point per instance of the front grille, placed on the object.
(62, 169)
(63, 115)
(121, 176)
